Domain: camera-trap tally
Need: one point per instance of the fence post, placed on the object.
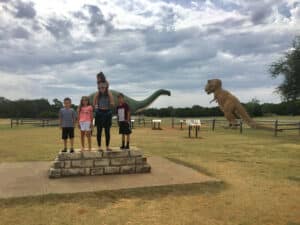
(172, 122)
(299, 128)
(189, 130)
(182, 123)
(275, 128)
(11, 123)
(132, 124)
(213, 124)
(241, 126)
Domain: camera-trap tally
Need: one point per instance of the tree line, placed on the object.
(23, 108)
(42, 108)
(254, 108)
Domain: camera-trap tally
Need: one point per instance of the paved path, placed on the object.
(30, 178)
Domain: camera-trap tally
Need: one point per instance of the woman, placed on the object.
(103, 101)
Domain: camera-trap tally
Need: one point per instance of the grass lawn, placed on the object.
(261, 175)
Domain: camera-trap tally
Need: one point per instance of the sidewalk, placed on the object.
(31, 178)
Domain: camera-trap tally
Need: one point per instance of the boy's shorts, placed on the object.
(85, 126)
(124, 128)
(67, 132)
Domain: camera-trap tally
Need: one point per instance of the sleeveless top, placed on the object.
(103, 101)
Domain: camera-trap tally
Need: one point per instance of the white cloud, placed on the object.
(55, 48)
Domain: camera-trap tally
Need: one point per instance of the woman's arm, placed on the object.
(111, 99)
(96, 96)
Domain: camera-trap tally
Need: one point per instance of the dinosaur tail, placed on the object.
(249, 121)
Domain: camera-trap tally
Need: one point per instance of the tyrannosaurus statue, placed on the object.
(230, 105)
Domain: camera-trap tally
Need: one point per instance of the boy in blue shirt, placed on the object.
(67, 120)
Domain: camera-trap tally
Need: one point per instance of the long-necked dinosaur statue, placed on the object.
(230, 105)
(138, 106)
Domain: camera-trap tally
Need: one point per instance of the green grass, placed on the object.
(260, 173)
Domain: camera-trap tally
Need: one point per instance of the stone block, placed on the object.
(82, 163)
(92, 154)
(140, 160)
(73, 172)
(115, 154)
(101, 162)
(143, 168)
(127, 169)
(98, 163)
(111, 170)
(87, 171)
(54, 173)
(69, 156)
(68, 164)
(58, 164)
(122, 161)
(97, 171)
(135, 153)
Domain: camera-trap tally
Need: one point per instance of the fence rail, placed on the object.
(275, 125)
(211, 123)
(42, 122)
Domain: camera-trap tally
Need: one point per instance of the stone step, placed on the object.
(94, 162)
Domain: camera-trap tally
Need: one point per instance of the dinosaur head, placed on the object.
(164, 92)
(213, 85)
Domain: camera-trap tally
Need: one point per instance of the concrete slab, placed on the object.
(31, 178)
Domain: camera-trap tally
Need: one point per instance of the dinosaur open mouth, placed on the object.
(208, 91)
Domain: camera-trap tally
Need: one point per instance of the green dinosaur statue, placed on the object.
(137, 106)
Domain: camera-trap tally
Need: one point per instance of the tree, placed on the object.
(57, 105)
(254, 108)
(289, 67)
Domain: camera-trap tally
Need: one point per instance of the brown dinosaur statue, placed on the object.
(230, 105)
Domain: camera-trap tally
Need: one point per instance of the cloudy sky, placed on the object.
(54, 48)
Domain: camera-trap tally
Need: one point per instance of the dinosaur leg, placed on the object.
(231, 119)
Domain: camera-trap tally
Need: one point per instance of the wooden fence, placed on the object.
(42, 122)
(275, 125)
(210, 123)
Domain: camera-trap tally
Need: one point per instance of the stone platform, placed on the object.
(20, 179)
(92, 163)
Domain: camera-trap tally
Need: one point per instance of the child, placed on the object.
(67, 120)
(85, 115)
(123, 112)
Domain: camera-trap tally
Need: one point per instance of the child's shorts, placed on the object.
(124, 128)
(67, 132)
(85, 126)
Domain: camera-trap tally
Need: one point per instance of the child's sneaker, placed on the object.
(122, 147)
(72, 150)
(127, 147)
(64, 150)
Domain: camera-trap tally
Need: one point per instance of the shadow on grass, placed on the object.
(102, 198)
(192, 166)
(292, 223)
(294, 178)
